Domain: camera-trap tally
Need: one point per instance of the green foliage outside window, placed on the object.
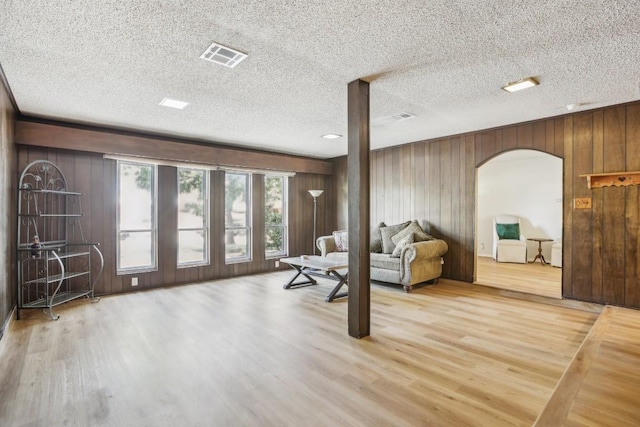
(143, 176)
(236, 186)
(274, 202)
(189, 180)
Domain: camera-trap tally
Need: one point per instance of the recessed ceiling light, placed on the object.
(223, 55)
(403, 116)
(521, 84)
(332, 136)
(574, 106)
(173, 103)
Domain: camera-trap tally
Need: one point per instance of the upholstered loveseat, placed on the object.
(402, 254)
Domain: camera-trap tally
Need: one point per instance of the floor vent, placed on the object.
(223, 55)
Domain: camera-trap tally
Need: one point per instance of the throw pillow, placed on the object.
(388, 232)
(508, 231)
(375, 239)
(407, 240)
(414, 227)
(342, 240)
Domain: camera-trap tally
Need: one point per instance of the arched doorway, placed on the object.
(527, 184)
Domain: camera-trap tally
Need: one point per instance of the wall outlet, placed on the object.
(134, 281)
(482, 246)
(277, 263)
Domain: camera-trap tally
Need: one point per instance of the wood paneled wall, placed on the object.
(434, 182)
(94, 176)
(8, 218)
(601, 250)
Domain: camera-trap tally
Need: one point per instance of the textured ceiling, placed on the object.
(110, 62)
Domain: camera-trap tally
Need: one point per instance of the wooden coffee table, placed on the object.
(317, 263)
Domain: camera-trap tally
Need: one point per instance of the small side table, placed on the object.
(539, 255)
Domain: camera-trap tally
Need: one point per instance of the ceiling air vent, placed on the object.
(223, 55)
(403, 116)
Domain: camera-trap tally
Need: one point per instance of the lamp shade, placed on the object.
(316, 193)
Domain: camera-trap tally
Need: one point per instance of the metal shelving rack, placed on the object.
(64, 267)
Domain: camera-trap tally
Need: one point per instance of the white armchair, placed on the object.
(509, 244)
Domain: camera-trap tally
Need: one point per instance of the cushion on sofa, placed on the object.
(375, 238)
(342, 240)
(380, 261)
(388, 232)
(384, 262)
(413, 228)
(407, 240)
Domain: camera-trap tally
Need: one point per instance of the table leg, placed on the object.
(539, 256)
(334, 292)
(299, 271)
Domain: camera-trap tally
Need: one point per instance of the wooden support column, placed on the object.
(359, 306)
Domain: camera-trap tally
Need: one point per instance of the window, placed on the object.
(193, 217)
(136, 217)
(237, 216)
(275, 203)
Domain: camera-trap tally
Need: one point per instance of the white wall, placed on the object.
(526, 183)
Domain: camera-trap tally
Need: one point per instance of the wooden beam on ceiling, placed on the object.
(106, 141)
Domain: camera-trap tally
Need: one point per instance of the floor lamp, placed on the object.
(315, 194)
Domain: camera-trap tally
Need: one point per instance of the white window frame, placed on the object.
(154, 220)
(207, 220)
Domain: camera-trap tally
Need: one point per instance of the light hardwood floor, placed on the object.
(245, 352)
(530, 278)
(609, 387)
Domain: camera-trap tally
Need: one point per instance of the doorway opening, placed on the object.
(526, 184)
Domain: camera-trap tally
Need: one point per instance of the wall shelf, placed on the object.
(612, 179)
